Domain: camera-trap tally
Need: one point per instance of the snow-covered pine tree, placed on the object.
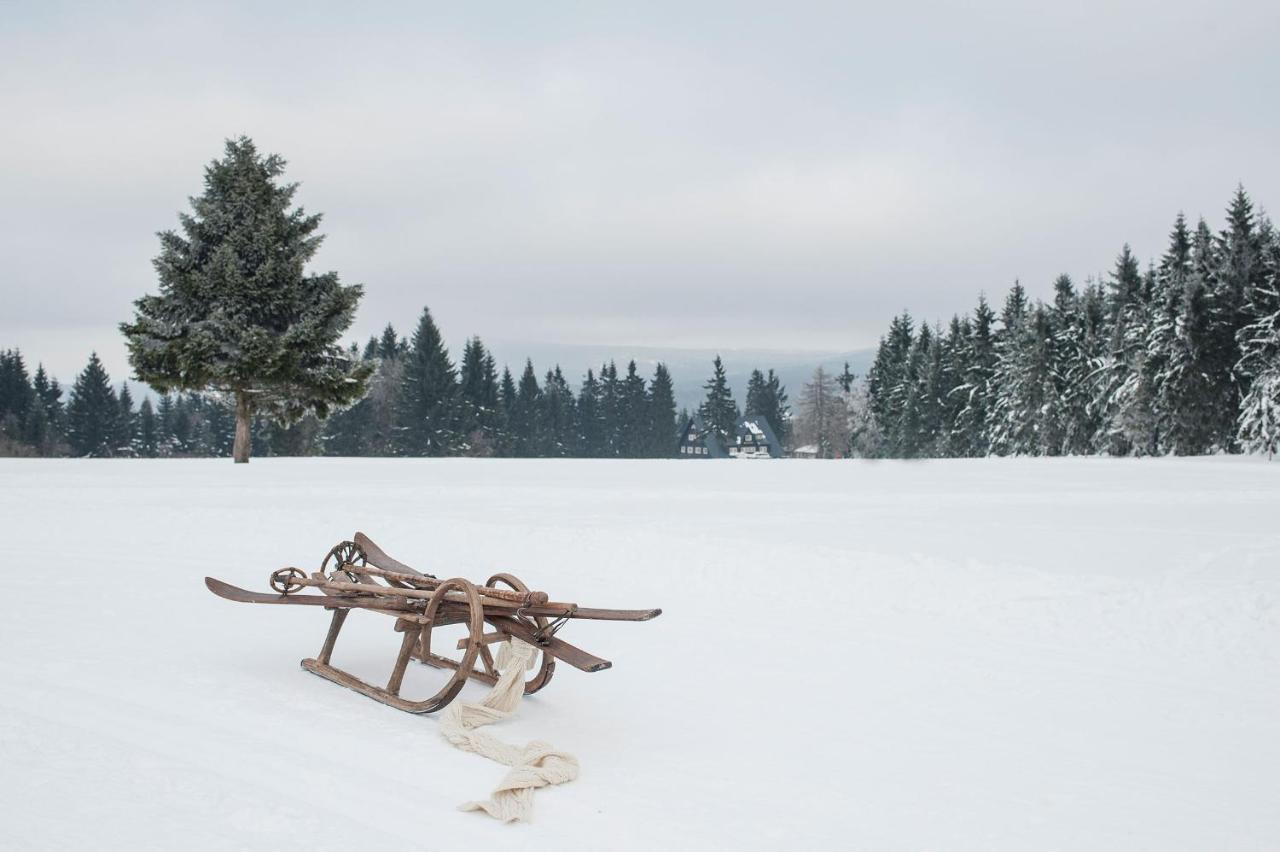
(1238, 272)
(719, 411)
(427, 401)
(1008, 431)
(886, 380)
(928, 396)
(92, 412)
(660, 410)
(1126, 315)
(975, 390)
(1135, 417)
(955, 351)
(1258, 428)
(1022, 415)
(1180, 343)
(237, 313)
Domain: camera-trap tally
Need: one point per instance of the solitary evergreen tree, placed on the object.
(237, 312)
(92, 412)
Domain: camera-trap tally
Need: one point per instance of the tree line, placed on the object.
(244, 346)
(1180, 358)
(417, 402)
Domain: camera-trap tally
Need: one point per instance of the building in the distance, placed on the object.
(753, 438)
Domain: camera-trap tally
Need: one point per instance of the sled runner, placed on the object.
(358, 574)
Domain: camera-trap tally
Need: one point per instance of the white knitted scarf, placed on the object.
(535, 765)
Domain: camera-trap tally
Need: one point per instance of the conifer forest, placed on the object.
(1178, 355)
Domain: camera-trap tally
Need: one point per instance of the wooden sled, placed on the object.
(358, 574)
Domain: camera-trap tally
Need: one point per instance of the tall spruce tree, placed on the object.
(767, 398)
(48, 396)
(719, 411)
(1238, 271)
(16, 394)
(954, 354)
(633, 418)
(1258, 425)
(507, 396)
(886, 380)
(237, 313)
(661, 415)
(92, 412)
(427, 402)
(528, 433)
(479, 409)
(975, 391)
(556, 416)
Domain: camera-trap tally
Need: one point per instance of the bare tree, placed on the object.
(824, 415)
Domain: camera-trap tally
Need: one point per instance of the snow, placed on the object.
(991, 654)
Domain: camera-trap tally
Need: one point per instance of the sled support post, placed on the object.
(335, 627)
(402, 661)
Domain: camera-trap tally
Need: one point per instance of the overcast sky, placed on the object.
(784, 176)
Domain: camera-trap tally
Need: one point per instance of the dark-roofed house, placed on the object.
(752, 439)
(698, 442)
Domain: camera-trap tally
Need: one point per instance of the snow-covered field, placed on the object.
(1020, 654)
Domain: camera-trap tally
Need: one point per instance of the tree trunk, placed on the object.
(240, 452)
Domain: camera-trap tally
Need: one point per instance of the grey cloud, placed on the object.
(709, 175)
